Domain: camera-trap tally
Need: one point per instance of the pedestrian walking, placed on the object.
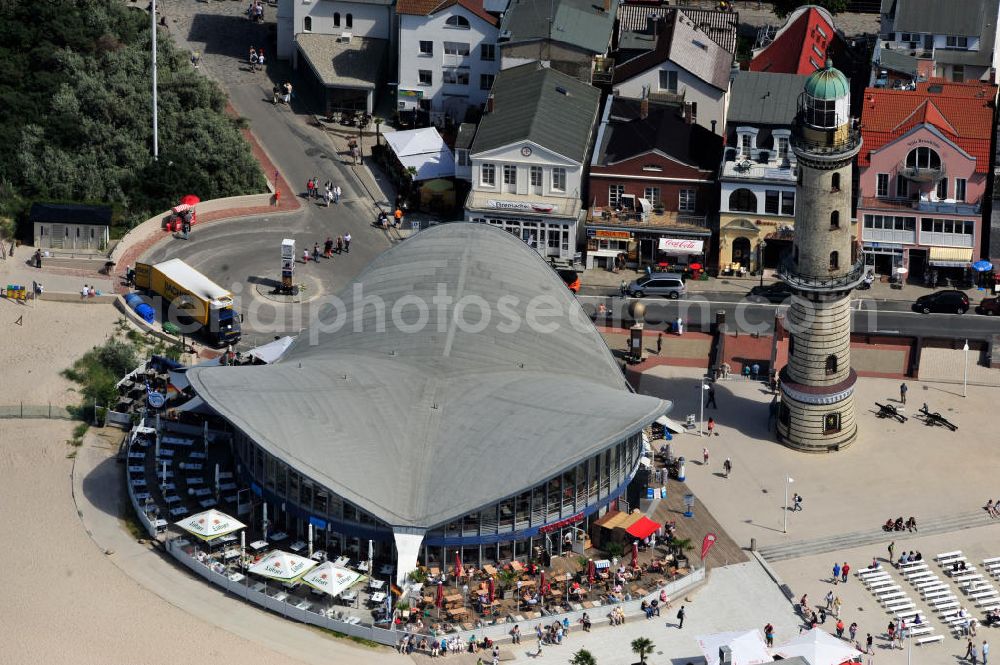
(309, 188)
(347, 243)
(288, 92)
(727, 468)
(328, 248)
(853, 630)
(316, 252)
(328, 196)
(844, 570)
(659, 344)
(37, 258)
(985, 651)
(822, 615)
(755, 371)
(260, 59)
(710, 402)
(680, 617)
(829, 596)
(397, 217)
(704, 456)
(253, 59)
(902, 392)
(797, 506)
(892, 548)
(711, 427)
(868, 644)
(315, 182)
(305, 256)
(340, 244)
(275, 96)
(836, 608)
(769, 635)
(336, 194)
(840, 629)
(623, 287)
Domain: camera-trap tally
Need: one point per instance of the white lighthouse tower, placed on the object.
(817, 385)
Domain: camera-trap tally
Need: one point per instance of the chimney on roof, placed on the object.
(687, 113)
(489, 103)
(644, 108)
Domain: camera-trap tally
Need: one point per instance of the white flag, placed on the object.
(790, 479)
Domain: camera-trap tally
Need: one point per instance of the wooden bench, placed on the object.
(866, 573)
(912, 565)
(986, 593)
(948, 555)
(882, 584)
(880, 575)
(937, 594)
(945, 605)
(995, 559)
(892, 609)
(967, 578)
(885, 588)
(930, 584)
(922, 629)
(927, 639)
(989, 603)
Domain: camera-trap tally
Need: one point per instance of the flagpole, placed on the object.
(784, 526)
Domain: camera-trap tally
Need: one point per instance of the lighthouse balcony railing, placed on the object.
(791, 275)
(835, 141)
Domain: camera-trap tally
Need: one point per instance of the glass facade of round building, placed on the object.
(503, 529)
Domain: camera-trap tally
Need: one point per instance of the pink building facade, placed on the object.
(922, 184)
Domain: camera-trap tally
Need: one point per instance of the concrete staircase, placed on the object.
(794, 550)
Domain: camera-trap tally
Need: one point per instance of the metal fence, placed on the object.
(22, 410)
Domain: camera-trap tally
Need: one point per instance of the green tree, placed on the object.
(642, 646)
(583, 657)
(785, 7)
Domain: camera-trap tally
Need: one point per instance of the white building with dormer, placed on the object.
(529, 155)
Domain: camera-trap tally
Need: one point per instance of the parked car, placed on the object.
(777, 292)
(669, 284)
(989, 306)
(949, 301)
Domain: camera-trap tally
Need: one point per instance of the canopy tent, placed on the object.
(643, 528)
(210, 524)
(282, 566)
(268, 353)
(330, 579)
(669, 424)
(819, 648)
(423, 150)
(747, 647)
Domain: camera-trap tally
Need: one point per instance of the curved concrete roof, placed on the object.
(421, 427)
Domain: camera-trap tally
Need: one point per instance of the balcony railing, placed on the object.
(922, 173)
(789, 273)
(834, 143)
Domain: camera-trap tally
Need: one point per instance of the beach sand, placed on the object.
(66, 601)
(49, 338)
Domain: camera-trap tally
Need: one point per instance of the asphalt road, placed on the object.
(870, 316)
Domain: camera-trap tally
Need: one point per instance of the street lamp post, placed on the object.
(965, 378)
(760, 260)
(701, 406)
(784, 526)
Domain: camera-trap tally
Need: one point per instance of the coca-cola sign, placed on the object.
(681, 246)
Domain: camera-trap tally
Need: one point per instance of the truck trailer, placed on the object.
(192, 298)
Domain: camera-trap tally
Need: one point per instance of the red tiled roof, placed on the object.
(799, 41)
(962, 112)
(428, 7)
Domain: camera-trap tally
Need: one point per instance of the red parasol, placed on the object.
(695, 266)
(591, 571)
(190, 199)
(439, 601)
(459, 571)
(490, 587)
(541, 583)
(635, 554)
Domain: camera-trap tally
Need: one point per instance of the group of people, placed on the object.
(992, 508)
(88, 291)
(341, 245)
(909, 557)
(899, 525)
(257, 59)
(383, 219)
(282, 93)
(331, 192)
(255, 11)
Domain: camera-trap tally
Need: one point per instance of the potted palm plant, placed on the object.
(642, 646)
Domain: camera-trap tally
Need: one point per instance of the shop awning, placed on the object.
(643, 528)
(950, 257)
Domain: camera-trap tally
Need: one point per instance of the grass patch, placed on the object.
(131, 524)
(78, 433)
(341, 636)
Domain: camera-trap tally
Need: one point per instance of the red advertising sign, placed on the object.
(707, 544)
(555, 526)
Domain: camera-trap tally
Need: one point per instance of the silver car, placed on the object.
(669, 284)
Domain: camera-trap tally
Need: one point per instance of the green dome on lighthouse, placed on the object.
(827, 83)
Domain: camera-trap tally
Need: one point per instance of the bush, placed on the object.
(99, 371)
(75, 125)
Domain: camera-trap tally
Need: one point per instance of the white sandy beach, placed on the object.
(49, 338)
(66, 601)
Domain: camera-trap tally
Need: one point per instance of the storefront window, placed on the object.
(507, 515)
(568, 492)
(538, 505)
(293, 486)
(306, 494)
(523, 508)
(470, 525)
(270, 473)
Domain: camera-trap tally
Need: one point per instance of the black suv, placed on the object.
(948, 302)
(777, 292)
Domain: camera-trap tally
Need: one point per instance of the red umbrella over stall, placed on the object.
(458, 565)
(635, 554)
(541, 583)
(439, 600)
(591, 571)
(491, 589)
(190, 199)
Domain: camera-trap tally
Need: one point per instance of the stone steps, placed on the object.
(794, 550)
